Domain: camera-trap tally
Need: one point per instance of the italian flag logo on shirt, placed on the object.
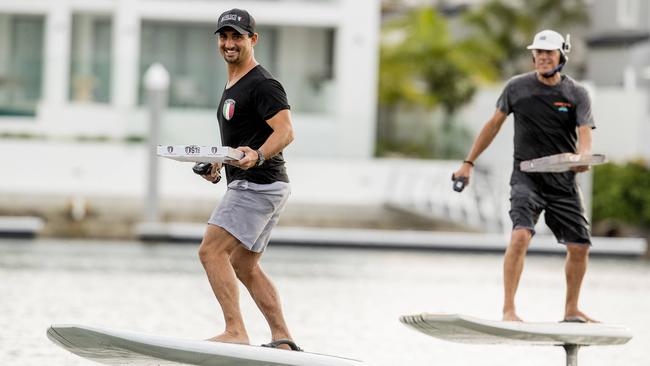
(228, 110)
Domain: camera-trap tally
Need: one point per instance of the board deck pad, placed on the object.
(117, 347)
(199, 154)
(560, 162)
(466, 329)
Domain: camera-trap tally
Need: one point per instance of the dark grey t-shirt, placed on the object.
(546, 117)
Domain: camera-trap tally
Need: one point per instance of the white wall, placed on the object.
(357, 67)
(622, 121)
(58, 28)
(476, 114)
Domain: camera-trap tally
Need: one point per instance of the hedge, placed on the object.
(622, 193)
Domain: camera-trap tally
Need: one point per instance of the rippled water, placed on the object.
(337, 301)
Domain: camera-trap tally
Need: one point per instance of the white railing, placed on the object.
(425, 188)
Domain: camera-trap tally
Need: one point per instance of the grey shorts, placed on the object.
(249, 211)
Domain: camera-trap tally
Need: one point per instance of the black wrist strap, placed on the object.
(260, 157)
(468, 162)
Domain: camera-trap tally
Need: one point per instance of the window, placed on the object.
(21, 63)
(306, 68)
(302, 58)
(189, 53)
(90, 59)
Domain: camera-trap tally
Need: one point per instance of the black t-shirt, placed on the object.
(546, 117)
(243, 111)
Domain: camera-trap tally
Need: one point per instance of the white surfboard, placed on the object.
(467, 329)
(116, 347)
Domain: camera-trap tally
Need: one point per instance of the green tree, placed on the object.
(622, 193)
(510, 26)
(421, 65)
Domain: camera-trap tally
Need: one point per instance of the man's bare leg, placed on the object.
(575, 267)
(214, 252)
(262, 290)
(513, 265)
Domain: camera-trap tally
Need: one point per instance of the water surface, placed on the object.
(337, 301)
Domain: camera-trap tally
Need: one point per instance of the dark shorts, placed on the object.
(558, 195)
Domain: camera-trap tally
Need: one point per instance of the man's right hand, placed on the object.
(215, 173)
(465, 170)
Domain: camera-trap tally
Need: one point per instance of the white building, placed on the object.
(74, 68)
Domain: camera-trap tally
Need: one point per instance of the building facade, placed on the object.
(618, 66)
(619, 43)
(75, 68)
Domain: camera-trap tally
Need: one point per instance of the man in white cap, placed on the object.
(552, 115)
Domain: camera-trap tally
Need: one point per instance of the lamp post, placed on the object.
(156, 81)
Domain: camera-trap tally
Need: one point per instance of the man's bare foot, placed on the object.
(578, 317)
(511, 316)
(229, 337)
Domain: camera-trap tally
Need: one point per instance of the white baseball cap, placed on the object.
(550, 40)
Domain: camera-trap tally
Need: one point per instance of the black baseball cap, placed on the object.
(237, 19)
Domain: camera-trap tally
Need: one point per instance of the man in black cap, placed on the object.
(254, 117)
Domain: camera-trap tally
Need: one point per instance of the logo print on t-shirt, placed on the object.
(228, 109)
(562, 106)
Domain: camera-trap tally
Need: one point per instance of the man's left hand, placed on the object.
(248, 161)
(581, 168)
